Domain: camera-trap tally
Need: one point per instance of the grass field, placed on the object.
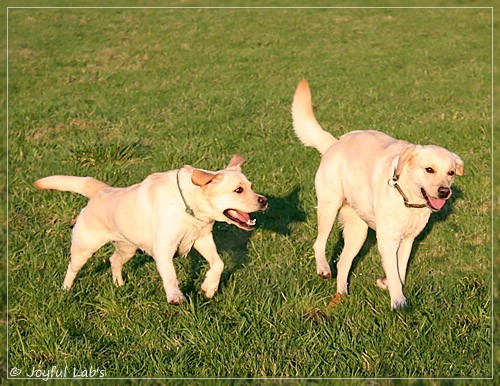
(121, 93)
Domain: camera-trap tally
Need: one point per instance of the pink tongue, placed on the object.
(243, 217)
(437, 203)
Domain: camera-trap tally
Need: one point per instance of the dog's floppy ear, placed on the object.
(460, 165)
(201, 178)
(405, 156)
(235, 163)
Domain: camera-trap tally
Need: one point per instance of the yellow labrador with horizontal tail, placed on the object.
(167, 212)
(373, 180)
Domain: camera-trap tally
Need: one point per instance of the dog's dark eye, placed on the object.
(451, 173)
(429, 170)
(238, 190)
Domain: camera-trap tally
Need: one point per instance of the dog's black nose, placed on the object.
(444, 192)
(262, 201)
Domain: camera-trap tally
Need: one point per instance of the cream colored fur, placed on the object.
(152, 216)
(353, 181)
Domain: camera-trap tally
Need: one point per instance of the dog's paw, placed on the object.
(382, 282)
(118, 280)
(342, 288)
(324, 271)
(398, 304)
(209, 287)
(67, 285)
(210, 293)
(176, 298)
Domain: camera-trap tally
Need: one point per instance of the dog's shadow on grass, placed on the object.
(371, 239)
(233, 242)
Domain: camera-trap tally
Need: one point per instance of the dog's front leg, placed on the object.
(404, 252)
(388, 247)
(205, 245)
(164, 255)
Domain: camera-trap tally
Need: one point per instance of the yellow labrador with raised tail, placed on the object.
(373, 180)
(167, 212)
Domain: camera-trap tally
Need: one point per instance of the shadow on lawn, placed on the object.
(281, 213)
(371, 239)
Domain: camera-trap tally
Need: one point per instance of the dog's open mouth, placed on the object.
(240, 219)
(434, 204)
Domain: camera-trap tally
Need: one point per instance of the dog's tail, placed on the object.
(86, 186)
(305, 124)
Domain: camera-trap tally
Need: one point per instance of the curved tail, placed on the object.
(305, 124)
(86, 186)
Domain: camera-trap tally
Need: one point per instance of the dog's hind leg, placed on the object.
(328, 206)
(83, 246)
(355, 232)
(326, 217)
(124, 251)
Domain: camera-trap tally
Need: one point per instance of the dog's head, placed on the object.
(429, 171)
(228, 195)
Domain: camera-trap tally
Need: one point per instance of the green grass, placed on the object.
(119, 94)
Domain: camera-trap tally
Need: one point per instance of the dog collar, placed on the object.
(188, 210)
(393, 183)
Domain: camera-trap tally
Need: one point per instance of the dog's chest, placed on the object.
(414, 223)
(189, 236)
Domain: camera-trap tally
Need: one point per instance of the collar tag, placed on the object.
(188, 210)
(392, 182)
